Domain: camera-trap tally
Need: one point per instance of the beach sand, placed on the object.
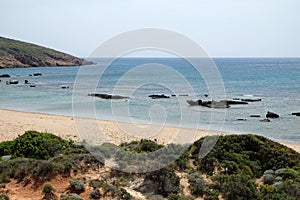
(14, 123)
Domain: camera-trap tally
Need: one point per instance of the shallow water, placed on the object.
(276, 81)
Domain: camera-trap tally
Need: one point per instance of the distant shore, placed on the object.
(14, 123)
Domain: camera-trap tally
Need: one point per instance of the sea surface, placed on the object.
(275, 80)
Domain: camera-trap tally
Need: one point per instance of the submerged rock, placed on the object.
(251, 100)
(296, 113)
(265, 120)
(107, 96)
(37, 74)
(254, 115)
(214, 104)
(209, 104)
(4, 76)
(12, 82)
(159, 96)
(271, 115)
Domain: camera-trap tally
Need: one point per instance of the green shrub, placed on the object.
(141, 146)
(178, 197)
(197, 184)
(211, 195)
(48, 191)
(239, 187)
(48, 188)
(6, 148)
(38, 145)
(95, 194)
(268, 179)
(239, 152)
(165, 181)
(70, 197)
(96, 183)
(76, 186)
(4, 197)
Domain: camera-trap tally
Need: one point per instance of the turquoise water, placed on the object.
(276, 81)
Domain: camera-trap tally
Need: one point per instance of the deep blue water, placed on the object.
(275, 80)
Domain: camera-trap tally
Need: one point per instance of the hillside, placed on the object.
(43, 166)
(18, 54)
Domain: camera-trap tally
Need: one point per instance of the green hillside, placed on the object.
(14, 53)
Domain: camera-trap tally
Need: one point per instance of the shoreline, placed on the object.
(14, 123)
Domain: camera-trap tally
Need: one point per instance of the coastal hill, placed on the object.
(18, 54)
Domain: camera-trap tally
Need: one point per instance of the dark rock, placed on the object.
(265, 120)
(254, 115)
(251, 100)
(64, 87)
(194, 103)
(230, 102)
(296, 113)
(12, 82)
(206, 95)
(32, 86)
(215, 104)
(158, 96)
(173, 95)
(37, 74)
(271, 115)
(242, 119)
(209, 104)
(4, 76)
(26, 82)
(183, 95)
(107, 96)
(30, 74)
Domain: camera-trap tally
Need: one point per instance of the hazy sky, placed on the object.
(224, 28)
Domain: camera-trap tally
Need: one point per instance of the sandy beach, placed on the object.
(14, 123)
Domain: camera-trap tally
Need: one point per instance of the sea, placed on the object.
(65, 91)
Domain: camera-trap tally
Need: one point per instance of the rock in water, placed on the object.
(254, 115)
(4, 76)
(107, 96)
(265, 120)
(296, 113)
(158, 96)
(271, 115)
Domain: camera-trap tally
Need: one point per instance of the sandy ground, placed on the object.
(14, 123)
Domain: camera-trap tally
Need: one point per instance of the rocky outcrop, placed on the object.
(271, 115)
(17, 54)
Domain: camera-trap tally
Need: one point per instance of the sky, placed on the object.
(224, 28)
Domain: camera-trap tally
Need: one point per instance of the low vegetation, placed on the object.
(238, 167)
